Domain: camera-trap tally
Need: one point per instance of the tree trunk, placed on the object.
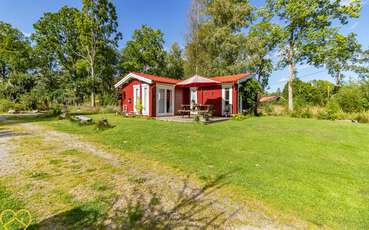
(338, 79)
(93, 95)
(256, 104)
(292, 76)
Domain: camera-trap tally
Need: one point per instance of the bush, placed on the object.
(362, 117)
(331, 111)
(302, 113)
(110, 109)
(240, 117)
(18, 106)
(351, 99)
(29, 101)
(56, 110)
(6, 105)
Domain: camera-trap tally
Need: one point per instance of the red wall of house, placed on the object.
(205, 95)
(178, 99)
(211, 96)
(127, 96)
(235, 99)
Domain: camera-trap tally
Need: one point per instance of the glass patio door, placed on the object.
(165, 101)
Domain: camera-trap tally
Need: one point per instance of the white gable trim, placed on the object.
(132, 75)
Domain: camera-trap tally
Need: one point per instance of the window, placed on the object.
(226, 100)
(164, 100)
(161, 102)
(226, 96)
(169, 101)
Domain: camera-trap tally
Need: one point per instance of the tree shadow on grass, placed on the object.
(193, 208)
(76, 218)
(8, 133)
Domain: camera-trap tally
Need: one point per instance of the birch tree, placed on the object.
(306, 26)
(98, 33)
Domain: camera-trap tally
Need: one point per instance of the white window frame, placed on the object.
(165, 87)
(193, 89)
(224, 87)
(145, 101)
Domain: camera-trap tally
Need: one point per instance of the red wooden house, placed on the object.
(162, 96)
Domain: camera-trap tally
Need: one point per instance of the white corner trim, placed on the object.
(132, 75)
(224, 87)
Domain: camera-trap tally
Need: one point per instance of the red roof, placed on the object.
(158, 78)
(231, 78)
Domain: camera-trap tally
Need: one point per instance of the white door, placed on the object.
(145, 99)
(164, 100)
(193, 95)
(226, 100)
(136, 98)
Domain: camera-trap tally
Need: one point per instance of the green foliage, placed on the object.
(250, 90)
(362, 117)
(331, 110)
(306, 30)
(353, 98)
(15, 52)
(139, 106)
(6, 105)
(316, 92)
(97, 29)
(145, 52)
(302, 113)
(261, 41)
(339, 54)
(174, 63)
(29, 101)
(215, 45)
(240, 117)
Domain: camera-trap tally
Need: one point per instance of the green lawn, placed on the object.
(315, 170)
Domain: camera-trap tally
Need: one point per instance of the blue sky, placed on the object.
(170, 16)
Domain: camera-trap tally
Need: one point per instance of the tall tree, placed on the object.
(361, 64)
(56, 42)
(215, 40)
(145, 52)
(307, 26)
(98, 34)
(15, 51)
(15, 63)
(339, 55)
(260, 42)
(174, 62)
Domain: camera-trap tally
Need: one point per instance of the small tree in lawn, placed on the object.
(139, 105)
(307, 26)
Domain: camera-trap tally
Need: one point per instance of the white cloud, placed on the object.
(283, 79)
(26, 34)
